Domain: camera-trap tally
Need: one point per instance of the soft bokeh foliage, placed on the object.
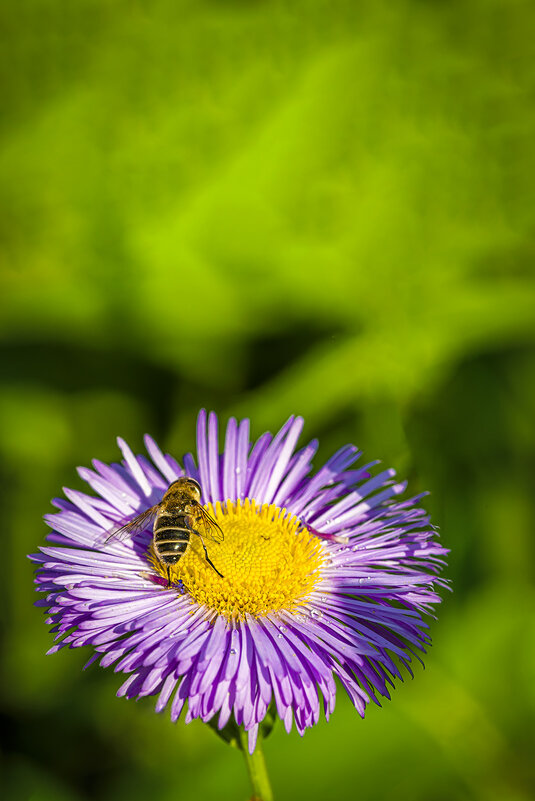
(265, 208)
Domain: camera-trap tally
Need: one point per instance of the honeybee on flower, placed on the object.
(318, 576)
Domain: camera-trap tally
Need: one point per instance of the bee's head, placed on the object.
(194, 487)
(186, 484)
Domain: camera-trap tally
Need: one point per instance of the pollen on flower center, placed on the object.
(268, 560)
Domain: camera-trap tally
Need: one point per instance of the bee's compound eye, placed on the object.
(194, 485)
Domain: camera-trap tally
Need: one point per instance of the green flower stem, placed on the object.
(235, 736)
(256, 766)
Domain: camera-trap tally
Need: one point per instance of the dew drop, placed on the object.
(238, 470)
(232, 650)
(279, 636)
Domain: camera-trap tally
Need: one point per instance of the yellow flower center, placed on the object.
(268, 560)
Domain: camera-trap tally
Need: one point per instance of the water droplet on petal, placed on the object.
(238, 470)
(232, 650)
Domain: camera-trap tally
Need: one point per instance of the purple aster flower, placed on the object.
(319, 576)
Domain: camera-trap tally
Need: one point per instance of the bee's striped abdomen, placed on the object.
(171, 537)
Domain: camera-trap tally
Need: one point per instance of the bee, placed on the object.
(178, 515)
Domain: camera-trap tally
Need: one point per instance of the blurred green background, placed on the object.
(265, 208)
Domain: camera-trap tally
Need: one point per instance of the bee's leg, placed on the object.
(207, 557)
(168, 577)
(210, 562)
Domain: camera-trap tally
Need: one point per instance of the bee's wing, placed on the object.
(207, 525)
(134, 526)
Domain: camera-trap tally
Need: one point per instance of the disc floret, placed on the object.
(269, 562)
